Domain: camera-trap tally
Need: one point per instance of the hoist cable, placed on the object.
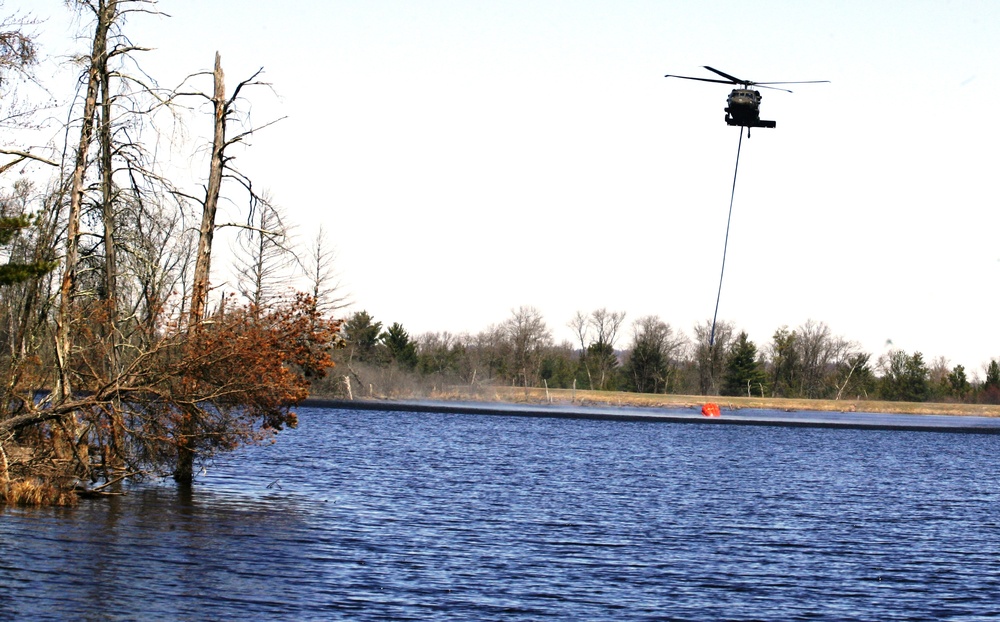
(725, 247)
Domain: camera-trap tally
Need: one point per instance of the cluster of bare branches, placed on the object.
(116, 358)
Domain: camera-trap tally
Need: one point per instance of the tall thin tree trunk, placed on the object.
(184, 472)
(203, 259)
(110, 294)
(108, 196)
(106, 12)
(105, 16)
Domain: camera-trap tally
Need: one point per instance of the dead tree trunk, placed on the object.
(110, 294)
(203, 259)
(106, 13)
(98, 57)
(184, 472)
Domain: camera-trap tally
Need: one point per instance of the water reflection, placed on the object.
(160, 551)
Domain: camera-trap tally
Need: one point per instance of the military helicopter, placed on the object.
(744, 102)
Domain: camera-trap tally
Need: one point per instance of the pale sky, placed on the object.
(472, 157)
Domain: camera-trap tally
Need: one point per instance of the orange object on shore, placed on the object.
(711, 410)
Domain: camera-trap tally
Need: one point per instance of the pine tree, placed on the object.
(742, 369)
(400, 347)
(15, 272)
(992, 375)
(363, 335)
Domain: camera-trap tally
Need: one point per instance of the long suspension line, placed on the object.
(725, 247)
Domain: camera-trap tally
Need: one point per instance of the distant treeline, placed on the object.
(808, 361)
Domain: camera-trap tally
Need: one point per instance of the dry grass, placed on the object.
(639, 400)
(35, 492)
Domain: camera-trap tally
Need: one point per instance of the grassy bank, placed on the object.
(639, 400)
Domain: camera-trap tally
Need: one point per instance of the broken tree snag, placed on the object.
(203, 260)
(184, 471)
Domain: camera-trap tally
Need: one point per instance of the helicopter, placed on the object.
(744, 102)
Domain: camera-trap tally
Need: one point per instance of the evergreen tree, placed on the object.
(904, 378)
(742, 369)
(992, 375)
(559, 368)
(17, 272)
(651, 366)
(646, 368)
(363, 336)
(785, 366)
(958, 383)
(399, 346)
(602, 357)
(990, 393)
(858, 379)
(916, 386)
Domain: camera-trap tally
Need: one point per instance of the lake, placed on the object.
(368, 515)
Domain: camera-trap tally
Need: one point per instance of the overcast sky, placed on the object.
(472, 157)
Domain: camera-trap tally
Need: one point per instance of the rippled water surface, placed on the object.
(401, 516)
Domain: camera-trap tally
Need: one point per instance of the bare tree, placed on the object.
(224, 108)
(527, 335)
(606, 324)
(581, 328)
(816, 348)
(19, 55)
(602, 352)
(597, 334)
(653, 356)
(711, 357)
(106, 12)
(264, 255)
(322, 277)
(139, 377)
(18, 51)
(210, 205)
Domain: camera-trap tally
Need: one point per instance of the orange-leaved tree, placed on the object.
(234, 381)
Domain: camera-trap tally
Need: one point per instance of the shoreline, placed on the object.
(685, 409)
(620, 399)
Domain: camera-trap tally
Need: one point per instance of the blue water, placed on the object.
(365, 515)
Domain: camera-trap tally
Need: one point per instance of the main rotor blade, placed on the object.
(699, 79)
(773, 88)
(726, 75)
(798, 82)
(766, 85)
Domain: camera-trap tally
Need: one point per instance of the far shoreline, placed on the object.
(496, 396)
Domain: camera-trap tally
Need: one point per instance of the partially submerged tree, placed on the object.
(192, 418)
(148, 378)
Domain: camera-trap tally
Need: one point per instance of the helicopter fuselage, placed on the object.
(744, 109)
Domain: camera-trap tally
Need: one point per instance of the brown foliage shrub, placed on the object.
(139, 405)
(232, 380)
(33, 491)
